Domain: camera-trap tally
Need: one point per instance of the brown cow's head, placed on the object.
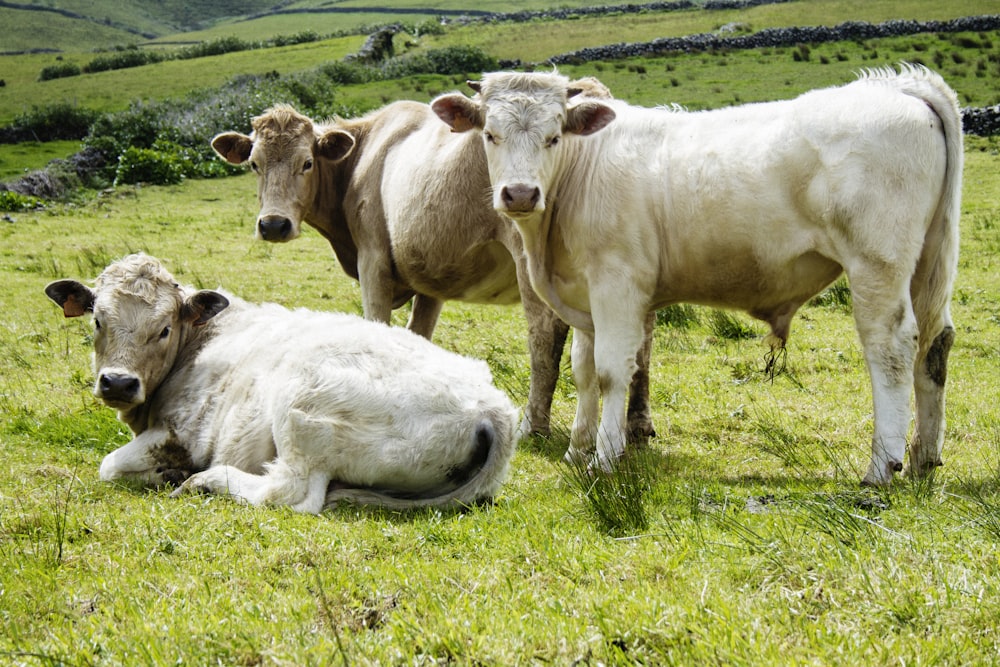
(141, 320)
(282, 150)
(522, 118)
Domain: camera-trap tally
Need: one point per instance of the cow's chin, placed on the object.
(522, 218)
(122, 405)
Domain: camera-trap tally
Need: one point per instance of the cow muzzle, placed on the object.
(276, 228)
(117, 389)
(520, 198)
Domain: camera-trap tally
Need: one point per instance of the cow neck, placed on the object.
(328, 215)
(148, 415)
(541, 267)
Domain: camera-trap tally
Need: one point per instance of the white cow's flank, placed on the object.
(624, 210)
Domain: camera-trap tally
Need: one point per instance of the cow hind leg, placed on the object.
(640, 421)
(888, 331)
(424, 315)
(546, 340)
(280, 485)
(929, 376)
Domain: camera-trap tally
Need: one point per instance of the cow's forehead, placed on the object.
(137, 283)
(525, 116)
(522, 102)
(281, 130)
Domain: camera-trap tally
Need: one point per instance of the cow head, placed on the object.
(283, 150)
(523, 118)
(141, 320)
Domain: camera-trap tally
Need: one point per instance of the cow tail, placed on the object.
(493, 444)
(934, 277)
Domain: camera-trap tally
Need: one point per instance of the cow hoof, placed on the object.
(923, 469)
(578, 458)
(882, 477)
(640, 432)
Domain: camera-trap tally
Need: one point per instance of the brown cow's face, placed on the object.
(286, 152)
(140, 321)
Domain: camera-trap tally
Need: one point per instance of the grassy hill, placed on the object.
(971, 62)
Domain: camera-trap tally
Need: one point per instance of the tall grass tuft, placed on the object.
(837, 295)
(617, 500)
(729, 326)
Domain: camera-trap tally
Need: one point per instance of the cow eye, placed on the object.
(97, 324)
(552, 142)
(490, 139)
(253, 165)
(307, 166)
(164, 333)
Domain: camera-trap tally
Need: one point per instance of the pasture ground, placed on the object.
(760, 548)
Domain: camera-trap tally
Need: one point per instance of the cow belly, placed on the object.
(485, 274)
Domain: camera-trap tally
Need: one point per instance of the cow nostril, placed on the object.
(118, 386)
(520, 197)
(274, 228)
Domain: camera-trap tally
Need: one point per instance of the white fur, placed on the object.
(756, 207)
(272, 405)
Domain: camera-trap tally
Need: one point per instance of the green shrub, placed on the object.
(130, 57)
(13, 201)
(215, 47)
(302, 37)
(56, 122)
(347, 73)
(451, 60)
(146, 165)
(60, 71)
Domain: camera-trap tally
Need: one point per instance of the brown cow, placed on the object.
(405, 203)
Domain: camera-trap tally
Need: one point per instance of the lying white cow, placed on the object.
(286, 407)
(755, 207)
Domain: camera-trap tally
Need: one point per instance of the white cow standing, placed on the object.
(758, 207)
(295, 407)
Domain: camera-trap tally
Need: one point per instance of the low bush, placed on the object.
(146, 165)
(14, 201)
(60, 71)
(55, 122)
(451, 60)
(129, 57)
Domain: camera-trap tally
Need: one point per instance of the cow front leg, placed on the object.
(546, 340)
(375, 276)
(588, 399)
(424, 315)
(619, 312)
(153, 457)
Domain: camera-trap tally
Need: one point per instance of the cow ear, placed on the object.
(459, 112)
(335, 145)
(475, 85)
(588, 117)
(202, 306)
(75, 298)
(233, 147)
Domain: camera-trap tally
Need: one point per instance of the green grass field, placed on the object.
(759, 547)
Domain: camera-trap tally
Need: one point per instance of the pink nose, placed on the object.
(520, 198)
